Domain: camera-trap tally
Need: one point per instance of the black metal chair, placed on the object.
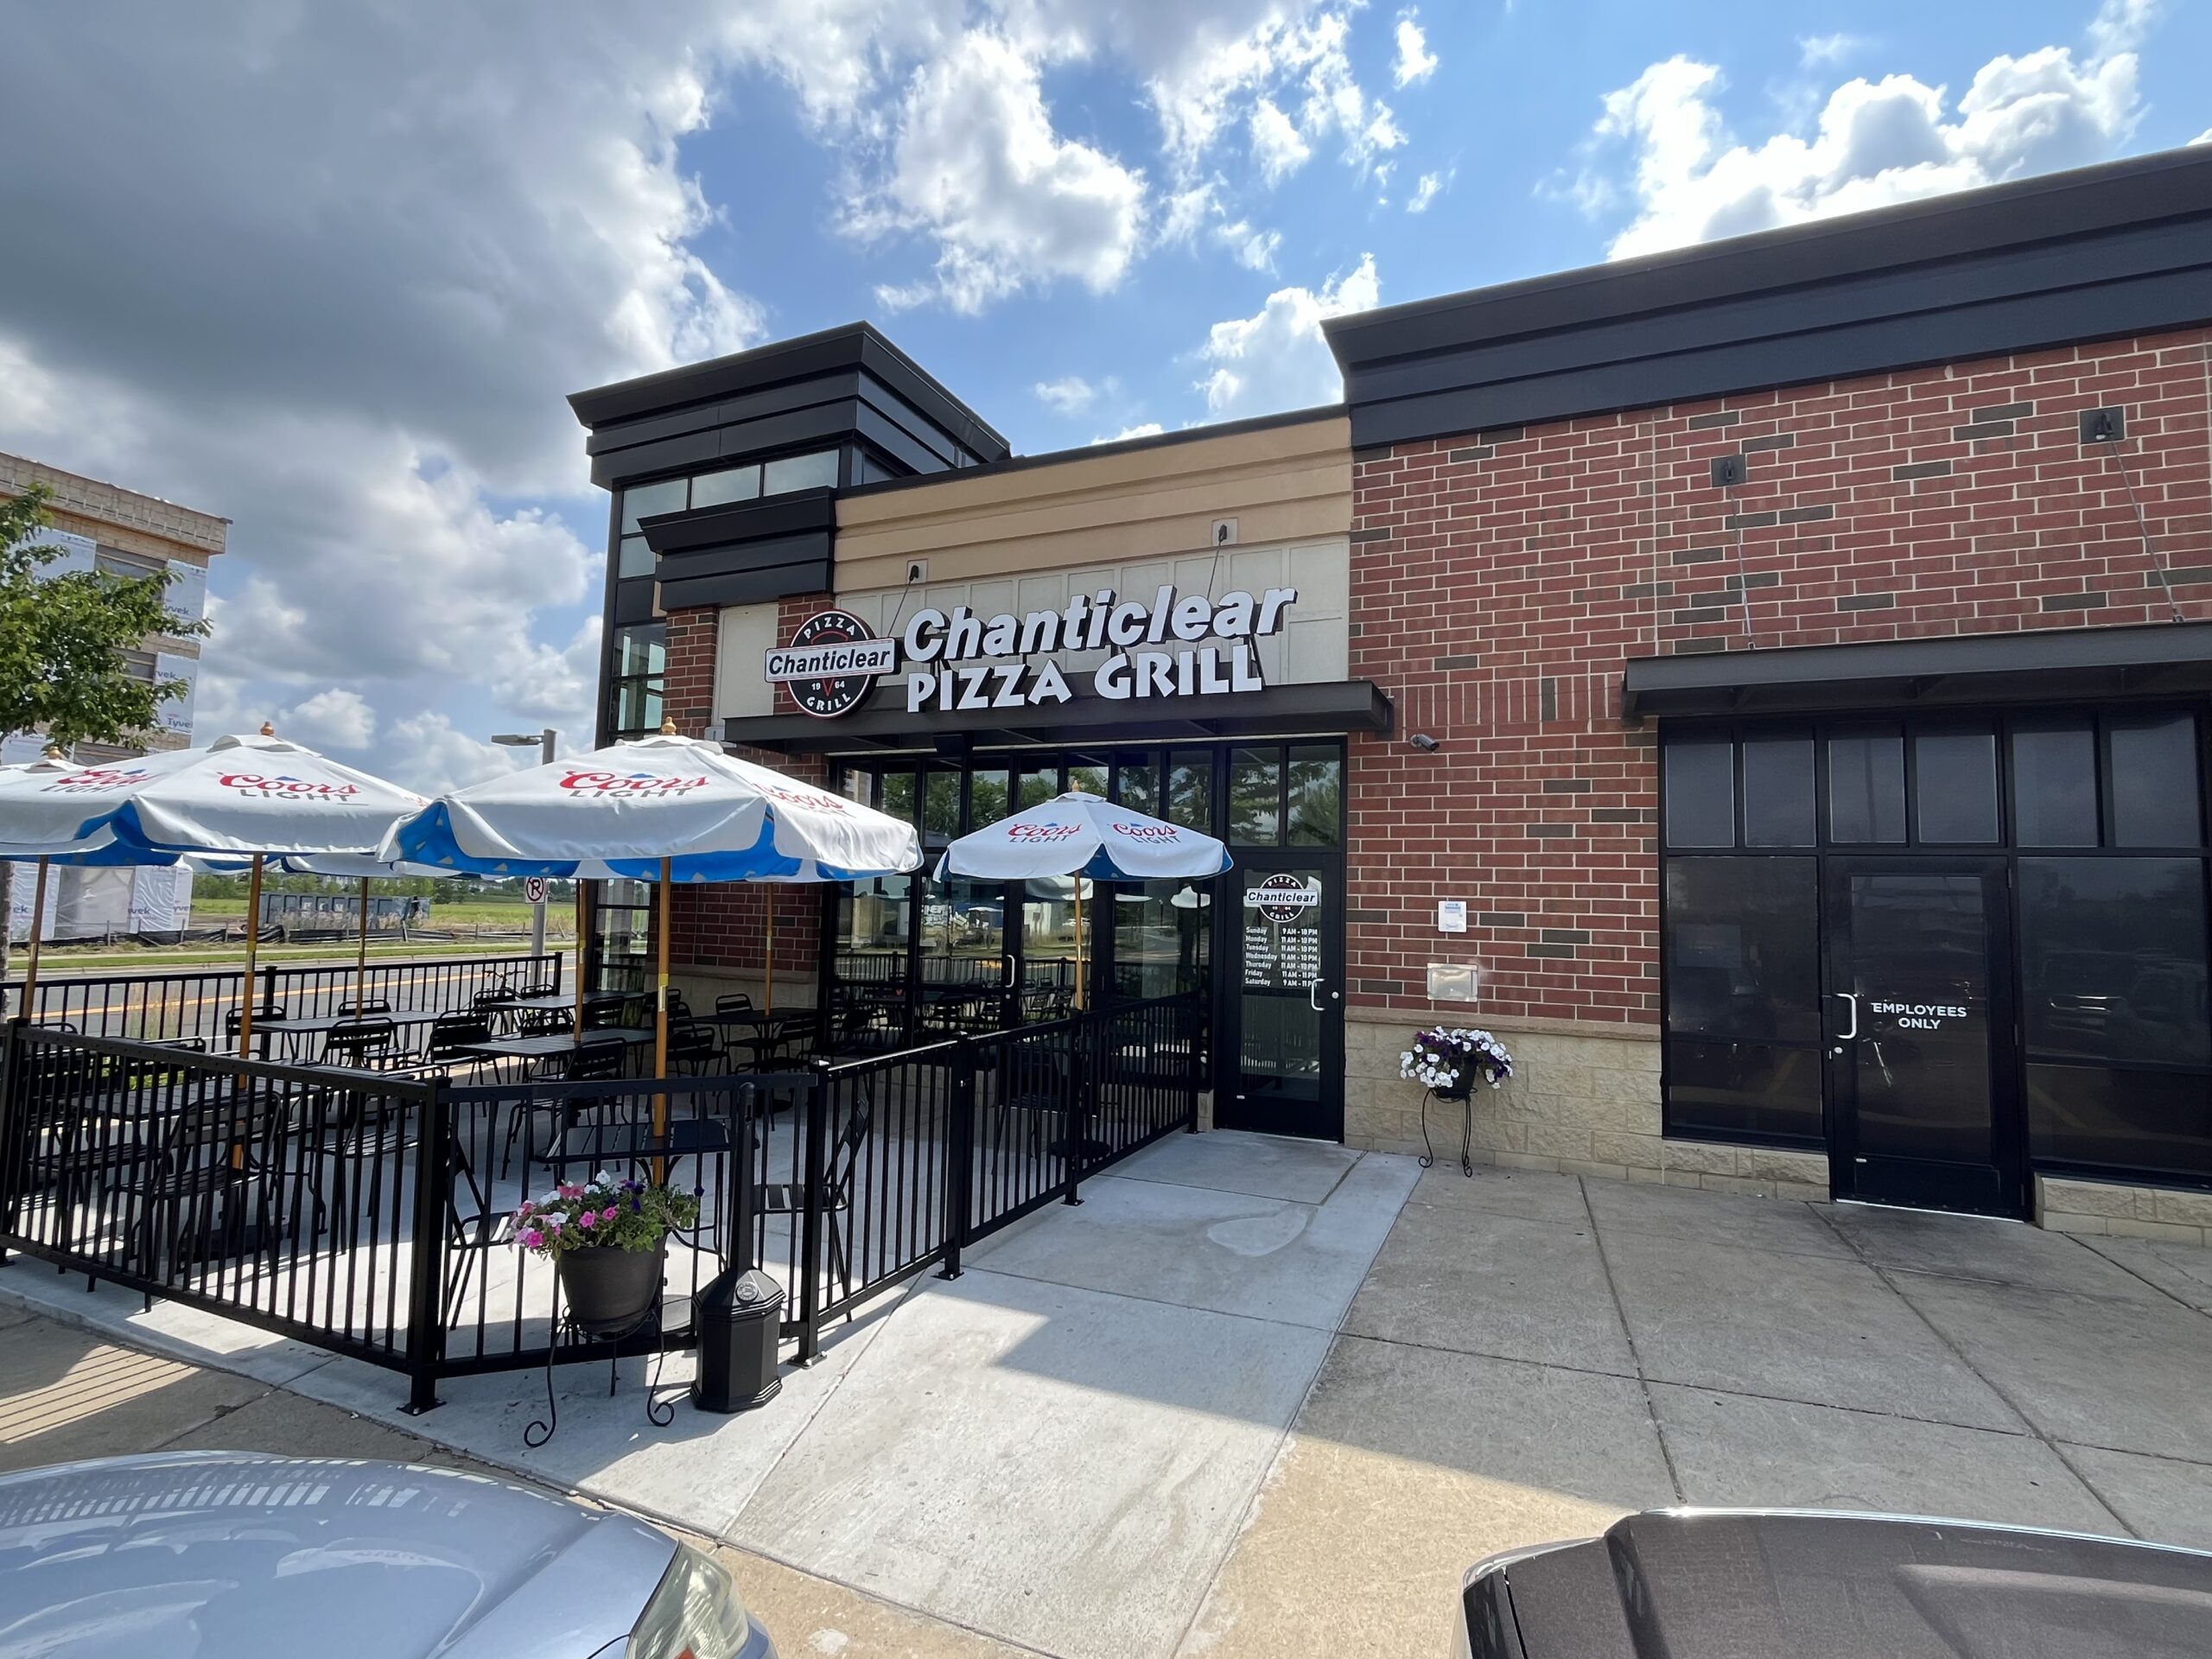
(213, 1152)
(1035, 1082)
(544, 1022)
(367, 1006)
(594, 1063)
(538, 988)
(486, 1003)
(361, 1045)
(692, 1044)
(790, 1198)
(451, 1034)
(606, 1014)
(233, 1018)
(733, 1002)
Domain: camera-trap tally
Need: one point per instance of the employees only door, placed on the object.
(1286, 1002)
(1919, 1018)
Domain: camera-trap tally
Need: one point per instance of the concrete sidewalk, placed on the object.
(1256, 1393)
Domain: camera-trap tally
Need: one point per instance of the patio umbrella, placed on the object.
(664, 809)
(250, 797)
(1079, 834)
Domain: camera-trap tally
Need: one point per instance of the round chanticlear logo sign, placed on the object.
(832, 663)
(1282, 898)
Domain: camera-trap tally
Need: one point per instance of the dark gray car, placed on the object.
(1687, 1584)
(195, 1554)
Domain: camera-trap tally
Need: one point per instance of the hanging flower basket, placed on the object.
(1449, 1060)
(608, 1241)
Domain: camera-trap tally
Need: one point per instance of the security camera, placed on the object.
(1424, 742)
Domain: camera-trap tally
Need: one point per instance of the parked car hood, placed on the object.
(1767, 1585)
(227, 1554)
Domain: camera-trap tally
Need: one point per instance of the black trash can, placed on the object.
(739, 1314)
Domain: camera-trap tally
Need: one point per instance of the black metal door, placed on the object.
(1285, 1016)
(1923, 1105)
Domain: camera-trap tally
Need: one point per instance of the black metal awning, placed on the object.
(2031, 665)
(1331, 709)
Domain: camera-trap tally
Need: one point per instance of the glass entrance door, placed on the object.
(1286, 996)
(1919, 1011)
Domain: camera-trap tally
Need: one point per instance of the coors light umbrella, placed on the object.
(665, 809)
(249, 797)
(1082, 835)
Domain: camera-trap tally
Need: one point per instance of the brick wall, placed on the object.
(723, 927)
(1501, 580)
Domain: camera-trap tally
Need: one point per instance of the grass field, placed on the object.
(472, 912)
(61, 962)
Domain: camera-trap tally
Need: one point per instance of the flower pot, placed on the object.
(1458, 1090)
(610, 1291)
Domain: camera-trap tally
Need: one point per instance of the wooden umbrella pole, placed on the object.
(30, 959)
(361, 955)
(768, 951)
(584, 932)
(253, 950)
(1079, 940)
(660, 1021)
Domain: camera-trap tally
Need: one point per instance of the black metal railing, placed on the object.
(371, 1213)
(193, 1003)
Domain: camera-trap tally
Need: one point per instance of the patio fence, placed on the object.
(190, 1004)
(366, 1213)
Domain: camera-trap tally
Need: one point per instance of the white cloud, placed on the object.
(1415, 61)
(1276, 146)
(1426, 190)
(2122, 25)
(1144, 429)
(1068, 395)
(1254, 250)
(1815, 51)
(977, 165)
(1873, 143)
(2203, 137)
(332, 719)
(427, 753)
(1277, 359)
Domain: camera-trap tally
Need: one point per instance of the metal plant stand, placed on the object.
(1466, 1105)
(568, 1333)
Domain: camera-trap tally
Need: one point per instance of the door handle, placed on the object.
(1313, 996)
(1852, 998)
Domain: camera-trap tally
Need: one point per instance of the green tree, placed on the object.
(61, 643)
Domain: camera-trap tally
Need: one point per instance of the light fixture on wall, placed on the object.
(1424, 742)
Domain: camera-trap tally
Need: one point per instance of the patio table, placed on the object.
(297, 1026)
(550, 1043)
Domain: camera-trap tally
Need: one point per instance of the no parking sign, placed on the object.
(533, 889)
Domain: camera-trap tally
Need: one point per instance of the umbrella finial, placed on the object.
(53, 753)
(268, 730)
(668, 726)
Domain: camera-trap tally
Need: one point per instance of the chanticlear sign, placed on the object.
(1173, 646)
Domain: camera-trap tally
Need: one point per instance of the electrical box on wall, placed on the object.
(1224, 532)
(1452, 981)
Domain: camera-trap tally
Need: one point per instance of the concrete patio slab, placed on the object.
(2163, 1499)
(696, 1472)
(2183, 1271)
(1533, 1195)
(1790, 1326)
(1484, 1282)
(1778, 1226)
(1202, 1246)
(1263, 1166)
(66, 1394)
(2063, 1359)
(170, 1328)
(1731, 1451)
(1407, 1465)
(1048, 1464)
(1971, 1247)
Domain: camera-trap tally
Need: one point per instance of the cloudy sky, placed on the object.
(329, 269)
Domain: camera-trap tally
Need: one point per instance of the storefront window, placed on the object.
(1137, 784)
(1778, 806)
(2054, 786)
(633, 693)
(1255, 798)
(1316, 793)
(2154, 793)
(1035, 789)
(1700, 794)
(2114, 962)
(1162, 938)
(963, 957)
(1954, 775)
(940, 806)
(1048, 943)
(987, 795)
(1189, 790)
(622, 925)
(1867, 787)
(895, 795)
(1091, 780)
(1743, 997)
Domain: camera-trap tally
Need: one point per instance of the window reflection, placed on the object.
(1255, 798)
(2112, 951)
(1316, 790)
(1867, 787)
(1190, 791)
(1161, 937)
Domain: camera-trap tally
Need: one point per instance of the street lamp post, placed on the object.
(542, 742)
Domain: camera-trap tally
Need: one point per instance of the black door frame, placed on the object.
(1326, 1121)
(2007, 1100)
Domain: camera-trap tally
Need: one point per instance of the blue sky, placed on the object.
(330, 273)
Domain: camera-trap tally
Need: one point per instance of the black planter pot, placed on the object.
(1459, 1091)
(610, 1291)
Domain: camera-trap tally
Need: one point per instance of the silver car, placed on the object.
(194, 1554)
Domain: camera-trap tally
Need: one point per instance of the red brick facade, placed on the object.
(1501, 580)
(724, 926)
